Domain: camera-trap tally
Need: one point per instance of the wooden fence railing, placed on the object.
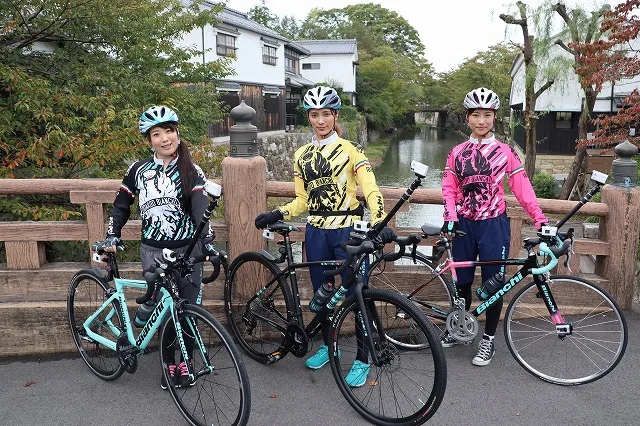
(27, 279)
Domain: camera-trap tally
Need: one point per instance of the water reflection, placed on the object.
(429, 146)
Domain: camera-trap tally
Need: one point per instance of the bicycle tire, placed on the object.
(420, 376)
(221, 396)
(593, 315)
(435, 299)
(248, 274)
(87, 293)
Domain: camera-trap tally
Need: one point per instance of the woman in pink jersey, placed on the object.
(473, 195)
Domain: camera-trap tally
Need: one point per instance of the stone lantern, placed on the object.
(624, 168)
(243, 135)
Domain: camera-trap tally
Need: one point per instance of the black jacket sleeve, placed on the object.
(124, 199)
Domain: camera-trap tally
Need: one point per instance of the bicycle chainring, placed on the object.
(296, 340)
(127, 355)
(463, 330)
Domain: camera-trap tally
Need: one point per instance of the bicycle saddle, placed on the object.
(281, 226)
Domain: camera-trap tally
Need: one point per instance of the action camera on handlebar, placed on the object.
(419, 169)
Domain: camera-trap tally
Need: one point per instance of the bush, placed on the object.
(348, 113)
(545, 186)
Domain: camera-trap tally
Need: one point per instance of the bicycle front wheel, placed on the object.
(87, 293)
(258, 305)
(405, 386)
(220, 393)
(418, 281)
(597, 336)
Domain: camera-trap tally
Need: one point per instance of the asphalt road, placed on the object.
(65, 392)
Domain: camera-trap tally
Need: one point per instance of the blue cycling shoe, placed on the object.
(358, 375)
(320, 359)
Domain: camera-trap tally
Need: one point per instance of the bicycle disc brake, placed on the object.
(462, 329)
(296, 341)
(127, 355)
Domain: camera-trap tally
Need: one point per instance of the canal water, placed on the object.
(428, 146)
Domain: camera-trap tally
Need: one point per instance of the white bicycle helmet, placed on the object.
(482, 98)
(155, 115)
(321, 97)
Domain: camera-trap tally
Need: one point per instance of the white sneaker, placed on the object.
(486, 351)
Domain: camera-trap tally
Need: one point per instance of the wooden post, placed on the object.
(95, 223)
(25, 254)
(244, 183)
(620, 229)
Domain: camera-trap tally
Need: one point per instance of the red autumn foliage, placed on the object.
(612, 60)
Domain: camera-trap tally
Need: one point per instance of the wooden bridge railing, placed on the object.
(29, 284)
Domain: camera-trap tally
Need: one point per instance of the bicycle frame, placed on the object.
(322, 317)
(164, 305)
(529, 264)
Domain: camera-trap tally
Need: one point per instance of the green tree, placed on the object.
(384, 26)
(75, 76)
(287, 26)
(533, 88)
(489, 68)
(580, 27)
(263, 16)
(392, 65)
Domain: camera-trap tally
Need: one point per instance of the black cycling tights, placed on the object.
(171, 340)
(492, 314)
(362, 353)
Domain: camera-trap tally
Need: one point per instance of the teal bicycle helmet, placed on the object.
(155, 115)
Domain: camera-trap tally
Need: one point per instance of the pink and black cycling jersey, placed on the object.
(472, 184)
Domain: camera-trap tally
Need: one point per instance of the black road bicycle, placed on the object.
(404, 386)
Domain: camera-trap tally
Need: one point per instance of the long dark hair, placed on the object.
(186, 167)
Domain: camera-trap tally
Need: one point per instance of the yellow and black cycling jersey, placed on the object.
(326, 175)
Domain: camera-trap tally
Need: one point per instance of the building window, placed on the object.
(291, 65)
(291, 61)
(563, 120)
(225, 44)
(269, 55)
(312, 66)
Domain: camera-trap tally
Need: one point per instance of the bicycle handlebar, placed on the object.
(151, 278)
(368, 246)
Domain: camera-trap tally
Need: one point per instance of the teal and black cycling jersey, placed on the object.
(166, 221)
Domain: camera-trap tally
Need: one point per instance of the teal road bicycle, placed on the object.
(218, 391)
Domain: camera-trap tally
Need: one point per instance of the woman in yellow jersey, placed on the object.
(326, 174)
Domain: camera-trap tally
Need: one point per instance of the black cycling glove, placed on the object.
(450, 227)
(265, 219)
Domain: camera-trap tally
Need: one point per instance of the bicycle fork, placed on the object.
(563, 329)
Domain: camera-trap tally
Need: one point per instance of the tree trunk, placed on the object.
(581, 152)
(530, 151)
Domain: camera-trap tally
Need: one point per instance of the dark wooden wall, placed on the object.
(270, 110)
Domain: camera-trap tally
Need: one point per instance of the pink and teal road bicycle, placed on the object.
(562, 329)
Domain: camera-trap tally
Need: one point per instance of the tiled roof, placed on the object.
(327, 47)
(238, 19)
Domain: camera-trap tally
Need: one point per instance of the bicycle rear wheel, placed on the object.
(253, 307)
(220, 394)
(404, 276)
(595, 345)
(87, 293)
(407, 386)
